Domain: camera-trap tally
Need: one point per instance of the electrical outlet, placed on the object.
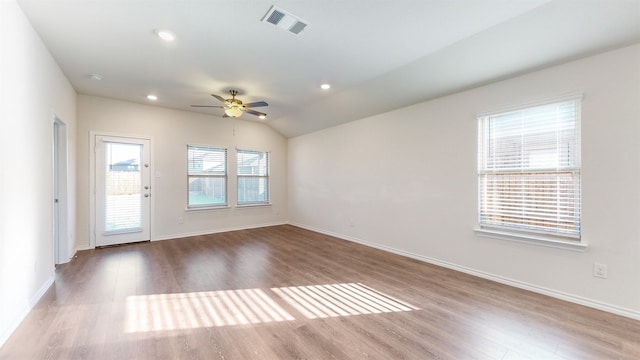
(180, 220)
(600, 270)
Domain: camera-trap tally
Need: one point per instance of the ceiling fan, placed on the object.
(234, 107)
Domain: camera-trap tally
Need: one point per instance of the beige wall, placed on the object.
(32, 90)
(170, 132)
(406, 181)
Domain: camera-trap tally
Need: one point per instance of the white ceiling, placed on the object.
(378, 55)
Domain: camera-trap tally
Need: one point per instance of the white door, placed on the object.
(123, 196)
(56, 192)
(60, 198)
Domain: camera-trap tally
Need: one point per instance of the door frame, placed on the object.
(92, 180)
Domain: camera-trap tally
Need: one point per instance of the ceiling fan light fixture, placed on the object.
(262, 117)
(233, 112)
(235, 107)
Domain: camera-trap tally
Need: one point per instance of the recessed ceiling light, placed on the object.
(165, 35)
(96, 77)
(152, 97)
(325, 86)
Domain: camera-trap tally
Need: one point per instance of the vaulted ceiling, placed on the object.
(378, 55)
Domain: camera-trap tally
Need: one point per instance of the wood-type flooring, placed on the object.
(283, 292)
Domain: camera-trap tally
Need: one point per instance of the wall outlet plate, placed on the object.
(600, 270)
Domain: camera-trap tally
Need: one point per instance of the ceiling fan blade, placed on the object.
(256, 104)
(256, 113)
(218, 97)
(213, 106)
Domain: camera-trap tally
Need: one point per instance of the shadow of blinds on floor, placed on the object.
(322, 301)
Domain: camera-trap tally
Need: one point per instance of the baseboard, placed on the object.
(75, 251)
(215, 231)
(6, 333)
(198, 233)
(515, 283)
(81, 248)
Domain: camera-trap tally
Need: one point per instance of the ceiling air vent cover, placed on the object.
(285, 20)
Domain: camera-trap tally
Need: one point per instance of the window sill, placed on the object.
(253, 205)
(532, 239)
(207, 208)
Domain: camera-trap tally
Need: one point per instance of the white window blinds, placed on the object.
(529, 169)
(207, 176)
(253, 177)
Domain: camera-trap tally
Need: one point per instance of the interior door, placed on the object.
(123, 194)
(60, 195)
(56, 192)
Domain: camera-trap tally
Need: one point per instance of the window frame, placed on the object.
(265, 176)
(224, 177)
(525, 232)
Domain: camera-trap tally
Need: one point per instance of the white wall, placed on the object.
(406, 181)
(32, 90)
(171, 131)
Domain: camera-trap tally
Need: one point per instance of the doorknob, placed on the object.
(146, 195)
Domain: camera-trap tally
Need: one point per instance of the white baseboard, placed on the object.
(6, 332)
(515, 283)
(75, 251)
(80, 248)
(215, 231)
(198, 233)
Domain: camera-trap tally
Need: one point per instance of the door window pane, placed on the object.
(123, 188)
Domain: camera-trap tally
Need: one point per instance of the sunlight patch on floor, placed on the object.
(322, 301)
(161, 312)
(165, 312)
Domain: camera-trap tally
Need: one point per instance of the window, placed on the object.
(253, 177)
(529, 170)
(207, 176)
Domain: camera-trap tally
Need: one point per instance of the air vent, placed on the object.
(285, 20)
(275, 17)
(297, 27)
